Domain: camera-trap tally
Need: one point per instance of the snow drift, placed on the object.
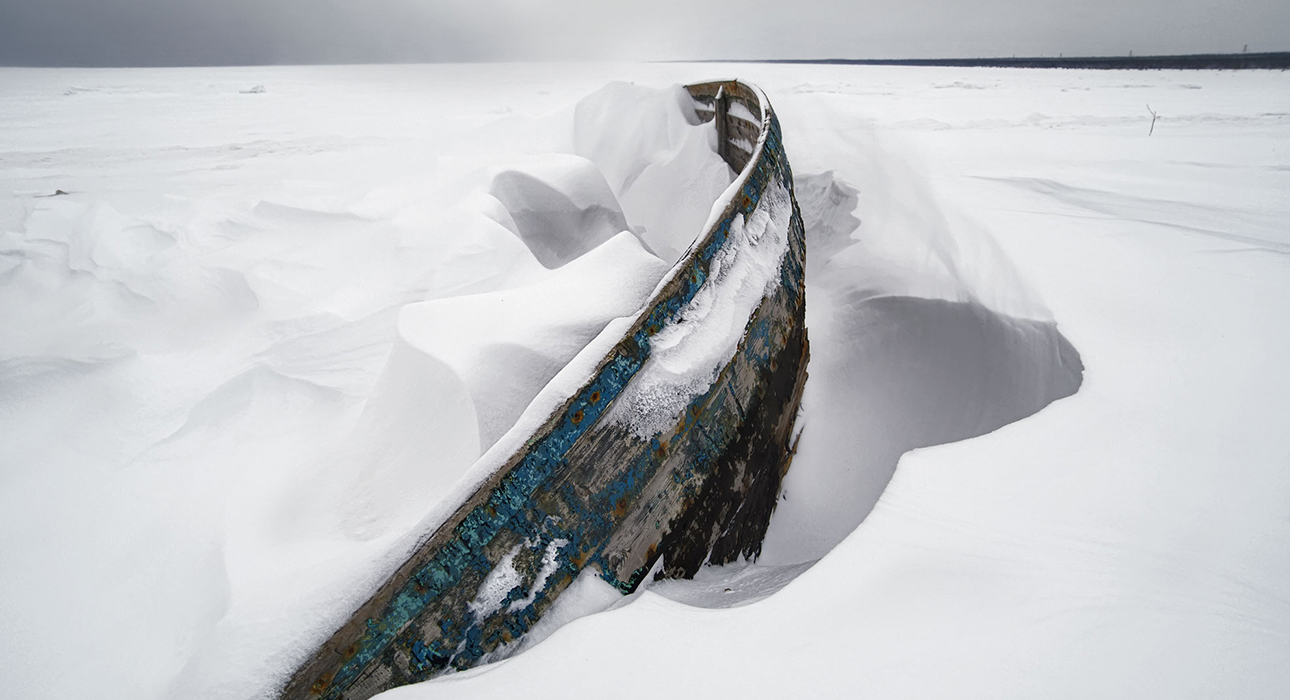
(218, 341)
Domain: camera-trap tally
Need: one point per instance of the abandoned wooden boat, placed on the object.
(598, 489)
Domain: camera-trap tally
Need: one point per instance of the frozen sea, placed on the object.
(256, 324)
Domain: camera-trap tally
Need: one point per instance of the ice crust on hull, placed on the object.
(588, 491)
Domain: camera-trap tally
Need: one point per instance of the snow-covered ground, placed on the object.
(281, 309)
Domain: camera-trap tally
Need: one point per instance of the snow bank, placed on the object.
(560, 205)
(659, 159)
(891, 374)
(506, 345)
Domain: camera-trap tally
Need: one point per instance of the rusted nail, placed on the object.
(320, 685)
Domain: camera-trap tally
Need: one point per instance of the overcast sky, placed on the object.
(222, 32)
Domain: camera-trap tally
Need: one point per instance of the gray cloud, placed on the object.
(230, 32)
(202, 32)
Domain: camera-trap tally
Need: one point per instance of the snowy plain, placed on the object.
(274, 318)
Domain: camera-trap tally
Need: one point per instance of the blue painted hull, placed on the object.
(588, 492)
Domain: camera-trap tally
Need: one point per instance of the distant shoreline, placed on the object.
(1279, 60)
(1273, 60)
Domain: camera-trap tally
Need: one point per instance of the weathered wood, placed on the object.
(722, 119)
(588, 492)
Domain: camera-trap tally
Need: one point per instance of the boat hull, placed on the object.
(589, 492)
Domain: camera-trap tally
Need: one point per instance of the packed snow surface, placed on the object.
(260, 326)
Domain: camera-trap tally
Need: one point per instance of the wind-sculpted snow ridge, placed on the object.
(684, 471)
(561, 207)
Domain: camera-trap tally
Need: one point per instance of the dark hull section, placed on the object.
(587, 491)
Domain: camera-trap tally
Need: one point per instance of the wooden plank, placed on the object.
(722, 118)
